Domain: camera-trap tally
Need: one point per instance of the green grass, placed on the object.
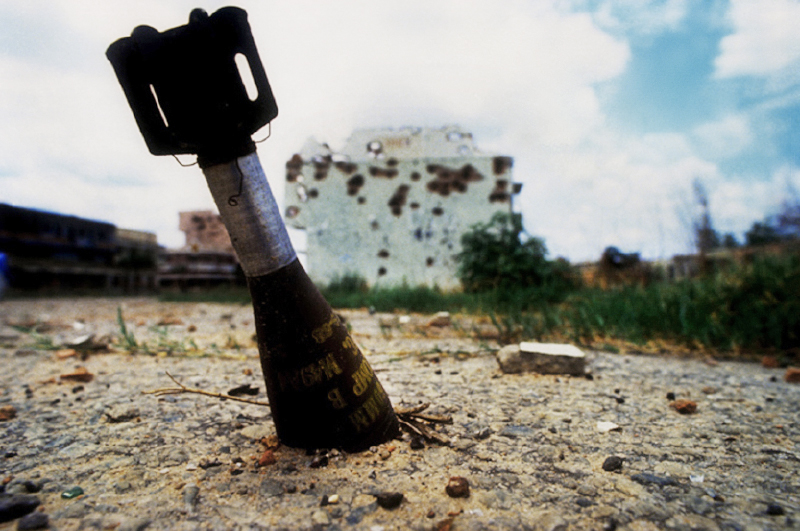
(749, 307)
(163, 344)
(756, 306)
(219, 294)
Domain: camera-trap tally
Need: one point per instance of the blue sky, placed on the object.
(610, 108)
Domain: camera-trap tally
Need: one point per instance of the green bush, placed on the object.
(496, 258)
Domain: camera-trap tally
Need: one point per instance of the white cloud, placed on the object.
(723, 138)
(644, 17)
(736, 203)
(521, 75)
(764, 41)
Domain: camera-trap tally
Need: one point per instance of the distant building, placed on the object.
(47, 250)
(206, 259)
(392, 205)
(136, 257)
(205, 231)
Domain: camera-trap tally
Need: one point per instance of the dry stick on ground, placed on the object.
(183, 389)
(411, 418)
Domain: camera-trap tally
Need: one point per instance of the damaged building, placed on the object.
(392, 205)
(206, 259)
(50, 251)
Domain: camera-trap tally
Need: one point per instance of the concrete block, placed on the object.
(542, 358)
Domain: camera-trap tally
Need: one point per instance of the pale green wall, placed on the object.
(347, 233)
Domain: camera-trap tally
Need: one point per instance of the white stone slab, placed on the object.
(553, 349)
(542, 358)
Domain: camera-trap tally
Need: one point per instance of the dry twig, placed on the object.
(413, 420)
(183, 389)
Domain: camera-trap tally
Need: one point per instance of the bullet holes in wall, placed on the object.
(383, 253)
(389, 173)
(501, 164)
(415, 176)
(398, 199)
(391, 162)
(294, 168)
(362, 200)
(500, 193)
(320, 171)
(414, 205)
(292, 212)
(450, 180)
(313, 193)
(382, 271)
(374, 148)
(430, 261)
(421, 235)
(348, 168)
(354, 184)
(199, 222)
(374, 225)
(437, 211)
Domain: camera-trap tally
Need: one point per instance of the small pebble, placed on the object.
(267, 458)
(7, 413)
(584, 502)
(389, 500)
(612, 463)
(483, 434)
(34, 520)
(607, 426)
(12, 507)
(773, 509)
(74, 492)
(321, 518)
(457, 487)
(319, 461)
(684, 407)
(417, 443)
(190, 493)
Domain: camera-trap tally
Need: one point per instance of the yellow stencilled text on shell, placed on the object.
(364, 416)
(362, 378)
(312, 374)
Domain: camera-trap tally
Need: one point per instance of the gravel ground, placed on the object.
(609, 451)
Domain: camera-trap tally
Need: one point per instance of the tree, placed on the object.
(784, 226)
(788, 219)
(706, 238)
(762, 233)
(729, 241)
(496, 256)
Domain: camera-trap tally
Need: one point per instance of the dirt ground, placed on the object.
(610, 450)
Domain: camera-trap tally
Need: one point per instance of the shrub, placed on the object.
(496, 257)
